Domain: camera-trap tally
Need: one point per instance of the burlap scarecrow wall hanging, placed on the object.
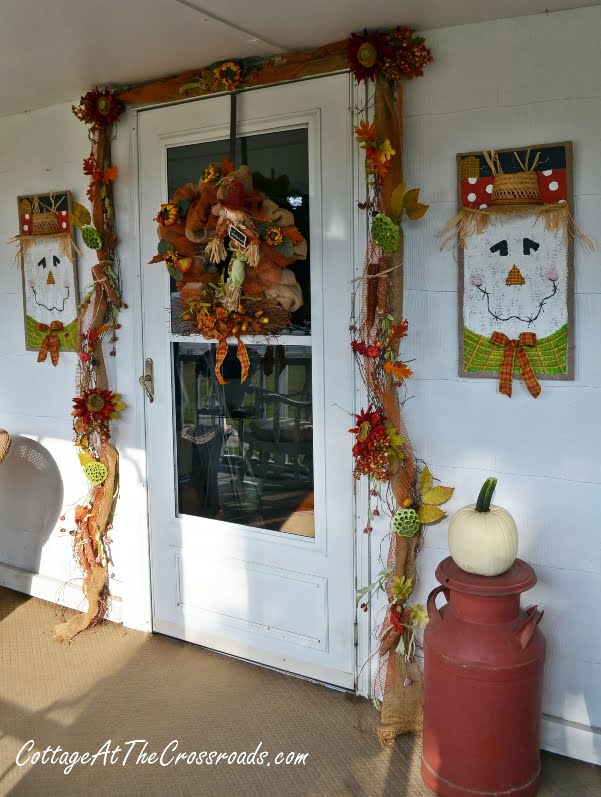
(516, 280)
(47, 258)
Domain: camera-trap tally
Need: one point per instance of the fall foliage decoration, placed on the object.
(96, 405)
(382, 450)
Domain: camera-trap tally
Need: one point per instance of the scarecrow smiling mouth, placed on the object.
(515, 279)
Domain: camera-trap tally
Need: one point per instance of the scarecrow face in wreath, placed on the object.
(49, 285)
(516, 277)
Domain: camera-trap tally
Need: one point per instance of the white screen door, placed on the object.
(250, 484)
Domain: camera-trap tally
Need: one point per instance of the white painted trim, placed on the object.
(52, 590)
(135, 540)
(571, 739)
(358, 96)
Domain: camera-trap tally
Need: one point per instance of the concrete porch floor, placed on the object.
(120, 685)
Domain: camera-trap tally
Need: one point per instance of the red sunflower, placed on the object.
(366, 54)
(99, 108)
(95, 408)
(371, 445)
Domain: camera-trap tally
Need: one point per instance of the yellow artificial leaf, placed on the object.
(430, 514)
(396, 200)
(411, 197)
(419, 616)
(437, 495)
(416, 211)
(85, 457)
(425, 480)
(401, 588)
(80, 215)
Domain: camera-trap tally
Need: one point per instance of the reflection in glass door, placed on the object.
(244, 450)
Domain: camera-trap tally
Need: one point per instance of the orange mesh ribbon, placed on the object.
(514, 349)
(50, 342)
(242, 358)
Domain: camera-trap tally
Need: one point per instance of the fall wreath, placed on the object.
(228, 248)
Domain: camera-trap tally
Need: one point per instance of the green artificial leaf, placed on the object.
(164, 247)
(80, 215)
(286, 247)
(419, 616)
(400, 648)
(183, 206)
(437, 495)
(377, 704)
(425, 480)
(396, 200)
(177, 275)
(430, 514)
(363, 591)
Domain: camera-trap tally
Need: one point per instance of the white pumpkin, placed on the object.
(483, 538)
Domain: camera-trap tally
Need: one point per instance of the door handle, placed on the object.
(147, 380)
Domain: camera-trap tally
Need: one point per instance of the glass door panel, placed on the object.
(244, 450)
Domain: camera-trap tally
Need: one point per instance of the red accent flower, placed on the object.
(371, 444)
(373, 351)
(366, 54)
(395, 619)
(95, 407)
(358, 346)
(99, 108)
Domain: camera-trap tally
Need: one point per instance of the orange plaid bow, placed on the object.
(50, 342)
(516, 348)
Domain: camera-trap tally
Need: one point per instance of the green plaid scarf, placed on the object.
(549, 356)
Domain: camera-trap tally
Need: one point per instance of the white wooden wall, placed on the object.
(501, 84)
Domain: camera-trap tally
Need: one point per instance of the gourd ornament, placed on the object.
(483, 539)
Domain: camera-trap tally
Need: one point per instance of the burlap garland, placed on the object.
(402, 707)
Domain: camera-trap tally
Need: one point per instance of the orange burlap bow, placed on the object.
(516, 347)
(50, 342)
(242, 357)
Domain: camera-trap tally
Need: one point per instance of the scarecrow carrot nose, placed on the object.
(50, 280)
(515, 277)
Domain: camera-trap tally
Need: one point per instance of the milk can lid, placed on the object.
(519, 578)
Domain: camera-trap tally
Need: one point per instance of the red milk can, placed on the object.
(483, 679)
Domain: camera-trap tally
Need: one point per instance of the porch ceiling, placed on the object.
(52, 52)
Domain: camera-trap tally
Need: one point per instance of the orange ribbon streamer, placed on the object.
(50, 342)
(242, 358)
(515, 348)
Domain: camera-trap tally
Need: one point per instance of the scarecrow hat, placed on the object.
(514, 188)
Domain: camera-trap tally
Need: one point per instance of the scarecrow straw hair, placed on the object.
(473, 221)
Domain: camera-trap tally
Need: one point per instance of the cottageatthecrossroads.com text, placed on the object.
(137, 752)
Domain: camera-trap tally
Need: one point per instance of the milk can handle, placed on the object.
(433, 613)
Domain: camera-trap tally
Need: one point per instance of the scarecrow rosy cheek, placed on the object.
(31, 283)
(66, 284)
(476, 280)
(552, 274)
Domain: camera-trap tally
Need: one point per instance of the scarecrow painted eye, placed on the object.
(530, 245)
(56, 261)
(501, 248)
(42, 262)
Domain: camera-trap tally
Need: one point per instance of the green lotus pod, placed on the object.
(91, 237)
(95, 472)
(385, 233)
(406, 522)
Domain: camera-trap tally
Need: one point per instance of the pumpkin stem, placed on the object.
(485, 495)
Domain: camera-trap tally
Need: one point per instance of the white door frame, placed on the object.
(136, 590)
